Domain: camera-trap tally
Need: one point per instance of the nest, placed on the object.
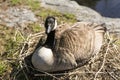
(104, 66)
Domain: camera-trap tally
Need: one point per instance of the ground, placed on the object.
(18, 42)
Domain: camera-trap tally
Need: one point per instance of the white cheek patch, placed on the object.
(55, 25)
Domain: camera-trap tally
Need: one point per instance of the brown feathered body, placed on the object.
(77, 44)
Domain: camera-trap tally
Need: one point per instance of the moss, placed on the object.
(35, 27)
(117, 42)
(43, 13)
(11, 47)
(34, 5)
(15, 2)
(66, 17)
(3, 67)
(5, 36)
(69, 16)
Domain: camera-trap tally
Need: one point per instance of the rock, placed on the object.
(15, 16)
(68, 6)
(82, 13)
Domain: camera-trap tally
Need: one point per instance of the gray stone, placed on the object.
(14, 16)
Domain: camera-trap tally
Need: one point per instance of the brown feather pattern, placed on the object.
(77, 43)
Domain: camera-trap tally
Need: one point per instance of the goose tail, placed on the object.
(101, 28)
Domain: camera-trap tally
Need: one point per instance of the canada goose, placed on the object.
(69, 48)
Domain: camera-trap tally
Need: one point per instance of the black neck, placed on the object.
(50, 39)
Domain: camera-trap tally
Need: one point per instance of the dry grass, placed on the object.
(104, 66)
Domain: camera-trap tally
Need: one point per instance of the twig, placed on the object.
(15, 34)
(112, 76)
(104, 59)
(77, 72)
(116, 48)
(21, 35)
(37, 34)
(50, 74)
(16, 74)
(22, 50)
(26, 41)
(25, 75)
(45, 73)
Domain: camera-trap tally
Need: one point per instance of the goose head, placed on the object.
(50, 24)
